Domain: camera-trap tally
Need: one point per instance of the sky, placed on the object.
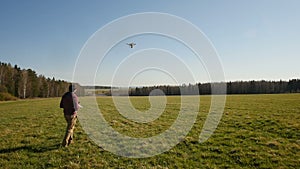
(254, 40)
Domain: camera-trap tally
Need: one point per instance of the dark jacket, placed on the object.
(69, 102)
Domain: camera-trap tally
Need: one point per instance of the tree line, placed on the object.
(237, 87)
(26, 83)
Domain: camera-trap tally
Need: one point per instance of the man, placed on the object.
(69, 102)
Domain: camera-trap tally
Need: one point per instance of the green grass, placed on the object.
(256, 131)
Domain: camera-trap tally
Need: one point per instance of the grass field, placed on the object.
(256, 131)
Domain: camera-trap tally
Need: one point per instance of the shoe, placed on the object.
(64, 145)
(70, 142)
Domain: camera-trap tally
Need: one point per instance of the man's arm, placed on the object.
(61, 105)
(75, 102)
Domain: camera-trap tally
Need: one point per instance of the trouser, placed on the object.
(71, 121)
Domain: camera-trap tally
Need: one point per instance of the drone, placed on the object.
(131, 44)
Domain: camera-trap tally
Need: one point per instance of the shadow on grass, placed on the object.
(31, 148)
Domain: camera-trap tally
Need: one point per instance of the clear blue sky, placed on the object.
(256, 39)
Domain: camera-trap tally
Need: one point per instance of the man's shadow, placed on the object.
(31, 148)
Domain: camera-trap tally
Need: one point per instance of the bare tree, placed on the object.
(24, 79)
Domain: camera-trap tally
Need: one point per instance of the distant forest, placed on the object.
(237, 87)
(26, 83)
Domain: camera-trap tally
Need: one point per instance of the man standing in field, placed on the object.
(69, 102)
